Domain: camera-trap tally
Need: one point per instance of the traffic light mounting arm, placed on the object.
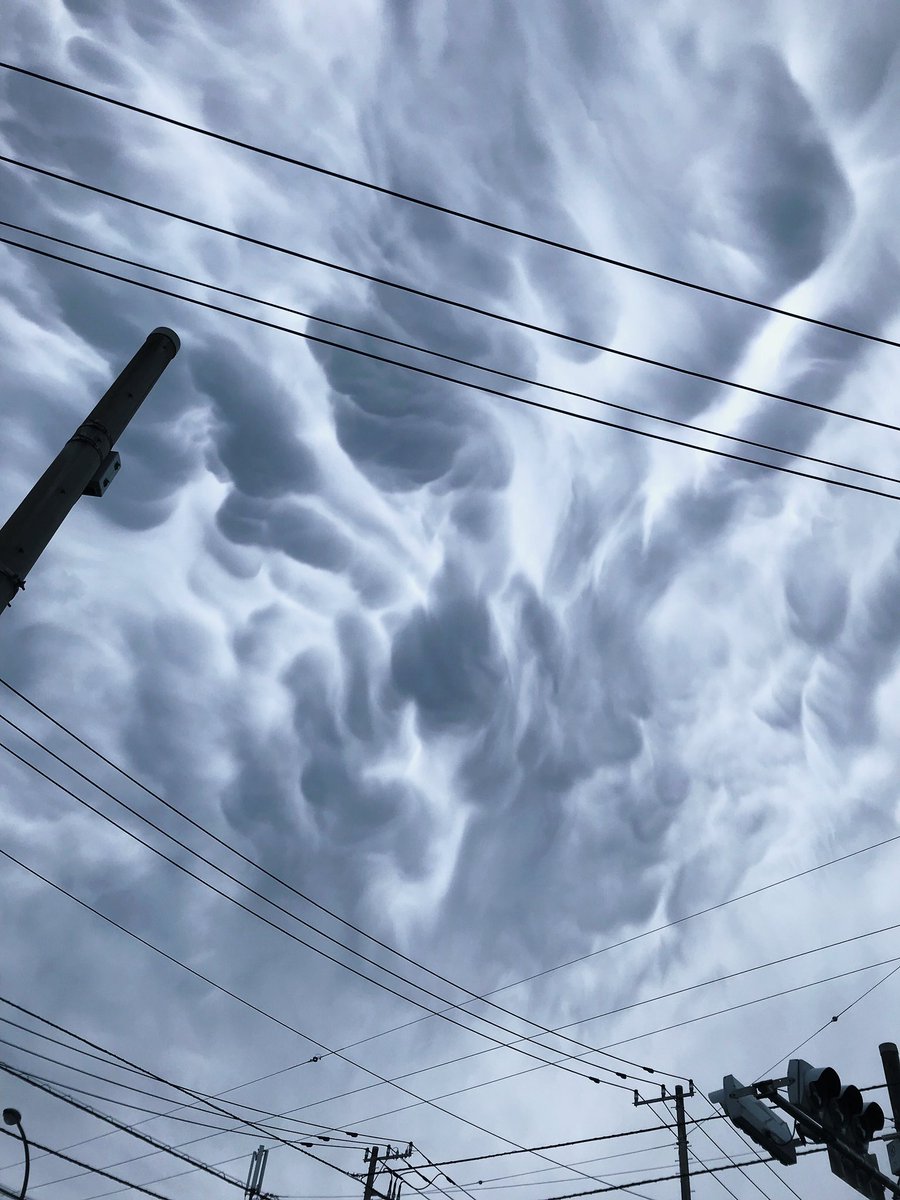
(768, 1090)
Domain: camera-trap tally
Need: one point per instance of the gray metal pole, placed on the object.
(28, 531)
(683, 1166)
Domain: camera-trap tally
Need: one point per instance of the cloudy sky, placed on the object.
(499, 687)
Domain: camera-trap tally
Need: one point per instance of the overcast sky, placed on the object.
(498, 686)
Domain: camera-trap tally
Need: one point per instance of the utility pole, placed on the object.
(85, 465)
(253, 1186)
(370, 1177)
(662, 1098)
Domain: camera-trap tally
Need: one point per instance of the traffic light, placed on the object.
(841, 1111)
(756, 1120)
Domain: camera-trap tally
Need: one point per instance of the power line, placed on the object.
(208, 1101)
(712, 908)
(516, 1074)
(459, 214)
(185, 870)
(831, 1021)
(138, 1187)
(729, 1166)
(480, 387)
(496, 1182)
(757, 1000)
(524, 379)
(420, 1099)
(357, 929)
(335, 1134)
(636, 1004)
(196, 1163)
(234, 879)
(181, 1175)
(262, 1012)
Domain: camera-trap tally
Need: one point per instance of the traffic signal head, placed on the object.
(756, 1120)
(812, 1088)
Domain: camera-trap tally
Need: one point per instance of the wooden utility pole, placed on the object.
(85, 465)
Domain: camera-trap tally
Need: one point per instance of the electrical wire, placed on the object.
(161, 1147)
(524, 379)
(385, 946)
(420, 293)
(210, 1102)
(275, 878)
(196, 1163)
(274, 904)
(746, 1141)
(469, 384)
(338, 1136)
(459, 214)
(138, 1187)
(831, 1021)
(515, 1074)
(636, 937)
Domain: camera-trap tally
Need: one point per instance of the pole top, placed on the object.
(170, 334)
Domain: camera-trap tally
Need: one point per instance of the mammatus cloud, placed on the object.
(500, 687)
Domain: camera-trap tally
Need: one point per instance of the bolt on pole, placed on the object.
(85, 464)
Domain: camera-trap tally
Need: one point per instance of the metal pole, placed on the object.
(370, 1178)
(890, 1060)
(821, 1134)
(12, 1116)
(28, 531)
(683, 1166)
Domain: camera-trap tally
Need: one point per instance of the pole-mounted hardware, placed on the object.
(86, 465)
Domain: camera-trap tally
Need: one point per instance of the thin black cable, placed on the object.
(452, 1182)
(499, 1079)
(731, 1166)
(638, 937)
(730, 1158)
(294, 937)
(180, 1175)
(335, 1134)
(693, 1153)
(752, 1150)
(138, 1187)
(357, 929)
(600, 1137)
(196, 1163)
(757, 1000)
(421, 293)
(496, 1182)
(459, 214)
(162, 1147)
(262, 1012)
(463, 362)
(287, 912)
(480, 387)
(831, 1021)
(264, 1119)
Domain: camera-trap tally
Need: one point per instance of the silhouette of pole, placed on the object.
(12, 1116)
(85, 464)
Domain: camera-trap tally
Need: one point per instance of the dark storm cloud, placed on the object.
(404, 431)
(842, 693)
(255, 437)
(788, 197)
(817, 593)
(447, 659)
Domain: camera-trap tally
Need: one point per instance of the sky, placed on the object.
(503, 689)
